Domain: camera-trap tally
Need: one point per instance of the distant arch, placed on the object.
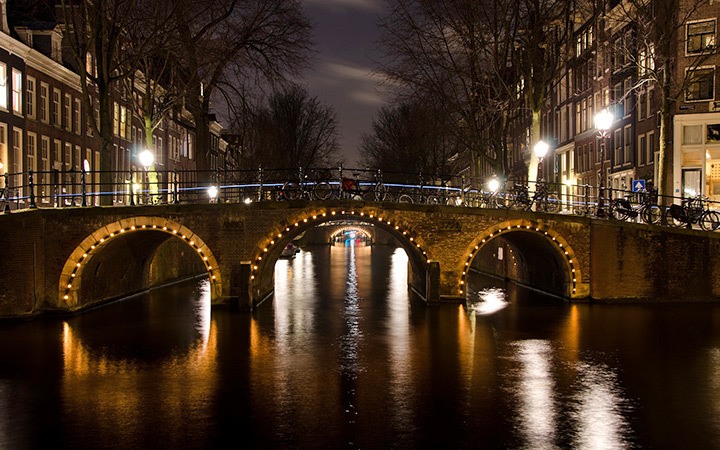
(269, 249)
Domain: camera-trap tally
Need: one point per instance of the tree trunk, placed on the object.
(106, 146)
(664, 182)
(533, 169)
(151, 171)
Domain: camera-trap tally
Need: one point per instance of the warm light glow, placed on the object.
(494, 184)
(86, 165)
(146, 158)
(247, 201)
(569, 182)
(212, 192)
(541, 149)
(603, 120)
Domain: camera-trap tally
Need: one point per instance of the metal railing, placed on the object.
(79, 188)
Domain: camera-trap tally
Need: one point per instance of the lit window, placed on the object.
(700, 36)
(3, 87)
(17, 87)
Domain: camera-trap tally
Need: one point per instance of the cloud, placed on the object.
(356, 84)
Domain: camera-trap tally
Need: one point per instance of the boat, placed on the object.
(289, 251)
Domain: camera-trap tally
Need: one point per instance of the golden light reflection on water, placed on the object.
(400, 361)
(108, 392)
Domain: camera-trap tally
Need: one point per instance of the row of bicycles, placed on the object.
(636, 206)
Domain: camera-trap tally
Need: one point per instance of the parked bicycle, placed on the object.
(692, 210)
(543, 199)
(318, 187)
(357, 189)
(647, 210)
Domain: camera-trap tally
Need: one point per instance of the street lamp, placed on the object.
(603, 121)
(147, 159)
(212, 193)
(494, 184)
(541, 150)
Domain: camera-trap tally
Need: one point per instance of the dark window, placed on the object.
(702, 84)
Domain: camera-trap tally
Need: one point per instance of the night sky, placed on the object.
(346, 33)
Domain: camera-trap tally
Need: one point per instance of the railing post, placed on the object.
(132, 189)
(31, 186)
(587, 198)
(56, 186)
(6, 194)
(83, 186)
(260, 183)
(175, 186)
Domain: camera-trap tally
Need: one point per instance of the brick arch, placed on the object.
(563, 250)
(269, 248)
(71, 275)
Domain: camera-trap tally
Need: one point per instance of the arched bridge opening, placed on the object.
(130, 256)
(271, 248)
(529, 254)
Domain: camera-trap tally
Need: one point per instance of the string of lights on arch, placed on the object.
(207, 259)
(555, 239)
(321, 217)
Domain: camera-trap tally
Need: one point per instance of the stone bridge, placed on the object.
(66, 260)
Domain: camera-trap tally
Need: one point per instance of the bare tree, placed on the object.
(229, 42)
(484, 60)
(94, 31)
(411, 138)
(658, 49)
(293, 130)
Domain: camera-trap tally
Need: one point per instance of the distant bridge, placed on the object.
(69, 259)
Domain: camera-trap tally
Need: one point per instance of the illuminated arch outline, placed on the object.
(307, 218)
(72, 271)
(345, 228)
(553, 237)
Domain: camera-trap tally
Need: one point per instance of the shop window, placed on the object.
(692, 134)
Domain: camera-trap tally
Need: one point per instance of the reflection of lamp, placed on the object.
(603, 121)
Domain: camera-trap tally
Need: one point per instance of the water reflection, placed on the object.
(489, 301)
(344, 357)
(536, 391)
(599, 411)
(108, 391)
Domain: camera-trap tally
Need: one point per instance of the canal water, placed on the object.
(344, 357)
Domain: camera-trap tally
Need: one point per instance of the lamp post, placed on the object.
(603, 120)
(147, 159)
(541, 150)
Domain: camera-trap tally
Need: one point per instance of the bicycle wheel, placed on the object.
(671, 221)
(323, 190)
(710, 220)
(552, 203)
(617, 212)
(405, 198)
(381, 192)
(291, 190)
(651, 214)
